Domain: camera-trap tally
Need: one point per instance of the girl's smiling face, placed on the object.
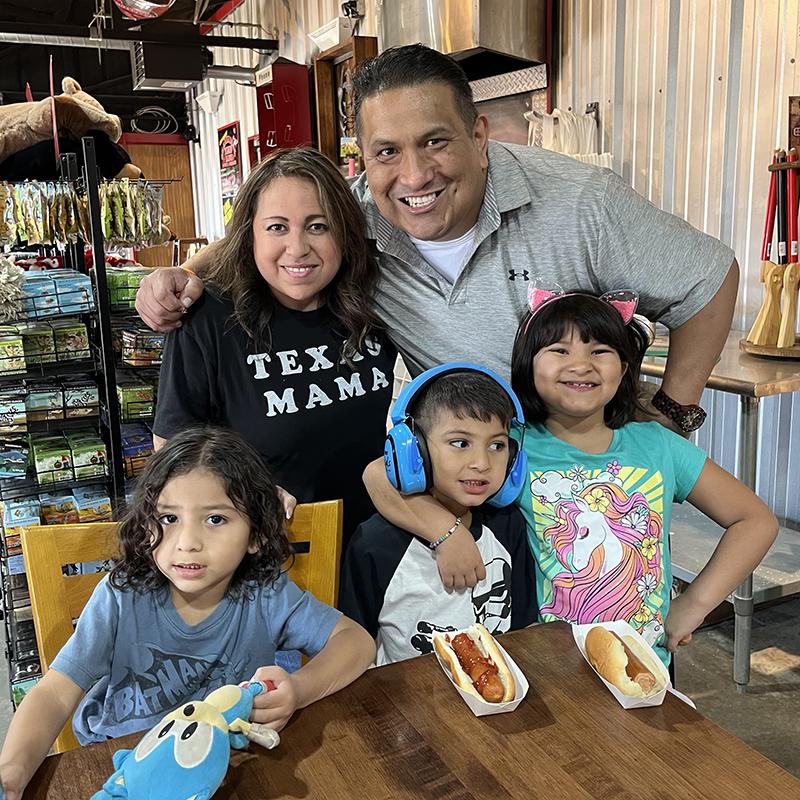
(577, 379)
(204, 539)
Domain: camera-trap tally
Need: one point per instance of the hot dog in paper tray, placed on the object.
(485, 675)
(625, 662)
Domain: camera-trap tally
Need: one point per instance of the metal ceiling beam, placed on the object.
(120, 40)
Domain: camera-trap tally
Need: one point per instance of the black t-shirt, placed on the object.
(391, 584)
(317, 421)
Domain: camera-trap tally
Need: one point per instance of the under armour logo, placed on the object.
(512, 275)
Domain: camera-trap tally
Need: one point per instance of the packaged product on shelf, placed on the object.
(12, 352)
(58, 508)
(73, 291)
(94, 504)
(13, 458)
(81, 397)
(21, 688)
(39, 295)
(31, 211)
(142, 347)
(51, 458)
(71, 339)
(137, 446)
(38, 343)
(24, 670)
(20, 512)
(21, 632)
(12, 544)
(16, 565)
(18, 515)
(8, 225)
(45, 400)
(136, 398)
(88, 455)
(12, 279)
(13, 418)
(123, 283)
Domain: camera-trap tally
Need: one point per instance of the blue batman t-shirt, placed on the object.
(137, 659)
(598, 524)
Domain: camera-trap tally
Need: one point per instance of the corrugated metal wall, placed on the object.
(287, 20)
(693, 98)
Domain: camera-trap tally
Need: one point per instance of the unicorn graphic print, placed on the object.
(600, 539)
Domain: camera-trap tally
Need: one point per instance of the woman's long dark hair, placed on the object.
(348, 295)
(593, 318)
(249, 486)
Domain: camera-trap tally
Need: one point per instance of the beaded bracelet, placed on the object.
(446, 536)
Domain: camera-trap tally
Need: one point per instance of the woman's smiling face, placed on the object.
(294, 249)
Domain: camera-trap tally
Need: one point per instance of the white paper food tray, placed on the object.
(480, 708)
(622, 628)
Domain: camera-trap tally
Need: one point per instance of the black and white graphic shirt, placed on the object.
(391, 584)
(317, 420)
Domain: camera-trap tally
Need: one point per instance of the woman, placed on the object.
(284, 348)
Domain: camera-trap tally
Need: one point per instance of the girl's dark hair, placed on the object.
(594, 319)
(412, 65)
(249, 486)
(348, 295)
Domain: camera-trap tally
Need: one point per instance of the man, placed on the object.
(464, 226)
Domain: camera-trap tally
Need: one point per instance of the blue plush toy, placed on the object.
(185, 756)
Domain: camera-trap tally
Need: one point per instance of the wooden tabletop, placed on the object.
(402, 731)
(740, 373)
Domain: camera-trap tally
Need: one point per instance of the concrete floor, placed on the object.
(767, 717)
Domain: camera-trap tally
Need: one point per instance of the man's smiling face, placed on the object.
(426, 168)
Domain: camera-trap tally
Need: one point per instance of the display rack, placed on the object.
(103, 414)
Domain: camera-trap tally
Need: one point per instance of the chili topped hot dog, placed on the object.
(476, 664)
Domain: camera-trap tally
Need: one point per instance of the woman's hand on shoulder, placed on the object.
(276, 706)
(164, 295)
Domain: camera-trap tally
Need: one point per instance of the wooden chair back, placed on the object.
(316, 533)
(57, 599)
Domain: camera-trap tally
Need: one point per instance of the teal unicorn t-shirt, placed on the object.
(598, 524)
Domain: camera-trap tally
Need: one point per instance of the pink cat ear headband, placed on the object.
(624, 301)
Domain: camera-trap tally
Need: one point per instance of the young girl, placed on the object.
(196, 600)
(601, 485)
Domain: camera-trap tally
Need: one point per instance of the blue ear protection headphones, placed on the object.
(405, 453)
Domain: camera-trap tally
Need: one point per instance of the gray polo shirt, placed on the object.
(545, 218)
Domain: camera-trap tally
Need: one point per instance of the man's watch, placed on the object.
(687, 418)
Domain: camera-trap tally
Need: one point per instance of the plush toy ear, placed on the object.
(84, 113)
(119, 758)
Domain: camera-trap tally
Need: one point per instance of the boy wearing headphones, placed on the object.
(451, 439)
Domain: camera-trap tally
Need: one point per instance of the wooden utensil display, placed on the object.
(791, 275)
(774, 330)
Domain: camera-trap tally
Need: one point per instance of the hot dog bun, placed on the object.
(622, 662)
(487, 646)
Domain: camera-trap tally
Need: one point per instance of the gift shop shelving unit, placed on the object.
(101, 412)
